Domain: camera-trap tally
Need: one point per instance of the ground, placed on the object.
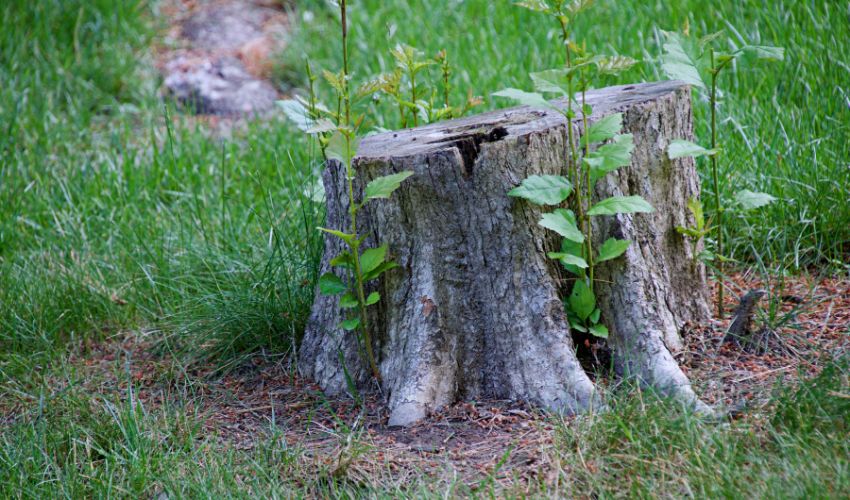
(476, 444)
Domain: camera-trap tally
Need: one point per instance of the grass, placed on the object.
(642, 448)
(74, 444)
(110, 219)
(117, 216)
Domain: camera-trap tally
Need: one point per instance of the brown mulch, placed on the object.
(814, 318)
(467, 441)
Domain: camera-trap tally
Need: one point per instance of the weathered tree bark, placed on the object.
(474, 308)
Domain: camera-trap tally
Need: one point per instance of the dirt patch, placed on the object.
(811, 318)
(220, 55)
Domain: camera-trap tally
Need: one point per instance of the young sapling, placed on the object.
(338, 134)
(690, 60)
(605, 150)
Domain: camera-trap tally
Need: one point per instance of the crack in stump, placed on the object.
(469, 145)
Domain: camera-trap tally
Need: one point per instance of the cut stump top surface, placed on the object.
(467, 133)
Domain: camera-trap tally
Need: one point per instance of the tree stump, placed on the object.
(475, 307)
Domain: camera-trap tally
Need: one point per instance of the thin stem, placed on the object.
(314, 112)
(358, 274)
(353, 208)
(361, 300)
(338, 117)
(588, 186)
(346, 97)
(413, 96)
(403, 114)
(310, 81)
(446, 70)
(717, 206)
(572, 158)
(571, 170)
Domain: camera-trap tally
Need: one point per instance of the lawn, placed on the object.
(131, 238)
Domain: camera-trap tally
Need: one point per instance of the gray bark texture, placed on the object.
(474, 309)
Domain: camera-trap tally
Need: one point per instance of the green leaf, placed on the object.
(331, 284)
(574, 249)
(603, 129)
(535, 5)
(297, 113)
(550, 80)
(707, 39)
(750, 200)
(348, 238)
(372, 258)
(581, 300)
(420, 65)
(575, 324)
(765, 52)
(614, 64)
(594, 316)
(612, 248)
(699, 229)
(348, 301)
(610, 157)
(525, 98)
(562, 222)
(369, 87)
(621, 205)
(679, 148)
(695, 206)
(296, 110)
(585, 61)
(677, 63)
(350, 324)
(568, 259)
(599, 331)
(723, 258)
(383, 187)
(404, 54)
(382, 268)
(320, 126)
(689, 232)
(342, 149)
(576, 6)
(343, 260)
(373, 298)
(335, 80)
(543, 189)
(721, 58)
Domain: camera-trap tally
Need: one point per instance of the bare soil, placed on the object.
(216, 56)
